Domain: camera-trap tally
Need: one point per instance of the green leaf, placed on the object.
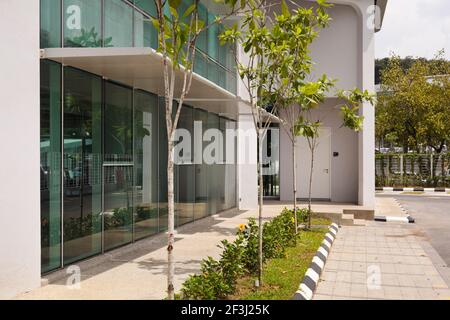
(174, 3)
(155, 23)
(284, 9)
(189, 10)
(174, 12)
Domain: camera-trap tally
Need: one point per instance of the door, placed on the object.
(321, 172)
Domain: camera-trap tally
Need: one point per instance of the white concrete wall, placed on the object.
(336, 50)
(345, 51)
(19, 145)
(344, 168)
(247, 160)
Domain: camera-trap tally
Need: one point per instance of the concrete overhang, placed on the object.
(142, 68)
(381, 5)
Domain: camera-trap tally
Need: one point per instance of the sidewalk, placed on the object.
(381, 261)
(138, 271)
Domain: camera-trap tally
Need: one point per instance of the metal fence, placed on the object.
(412, 170)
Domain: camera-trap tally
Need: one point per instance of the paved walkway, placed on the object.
(392, 253)
(381, 261)
(138, 271)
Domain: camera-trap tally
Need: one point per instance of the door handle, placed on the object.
(325, 170)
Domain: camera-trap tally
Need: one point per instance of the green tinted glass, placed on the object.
(50, 165)
(82, 23)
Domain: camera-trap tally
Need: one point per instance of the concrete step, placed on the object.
(363, 214)
(347, 219)
(359, 222)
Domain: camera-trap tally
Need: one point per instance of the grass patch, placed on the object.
(320, 222)
(413, 192)
(281, 277)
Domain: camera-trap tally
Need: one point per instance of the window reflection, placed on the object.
(50, 165)
(114, 166)
(146, 164)
(118, 165)
(82, 164)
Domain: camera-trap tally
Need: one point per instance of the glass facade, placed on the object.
(146, 161)
(50, 16)
(104, 162)
(82, 162)
(119, 23)
(50, 142)
(82, 23)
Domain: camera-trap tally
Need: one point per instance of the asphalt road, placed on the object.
(432, 215)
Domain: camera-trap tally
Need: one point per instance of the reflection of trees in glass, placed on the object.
(89, 39)
(75, 228)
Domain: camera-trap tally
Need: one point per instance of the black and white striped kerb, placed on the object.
(417, 189)
(311, 279)
(407, 219)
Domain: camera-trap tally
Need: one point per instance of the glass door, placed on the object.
(82, 165)
(118, 166)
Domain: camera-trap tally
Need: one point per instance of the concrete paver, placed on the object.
(380, 261)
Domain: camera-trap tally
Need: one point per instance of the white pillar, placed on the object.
(247, 157)
(20, 149)
(366, 194)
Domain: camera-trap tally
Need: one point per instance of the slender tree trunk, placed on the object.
(294, 183)
(171, 221)
(310, 185)
(260, 222)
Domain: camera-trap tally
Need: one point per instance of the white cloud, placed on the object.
(414, 28)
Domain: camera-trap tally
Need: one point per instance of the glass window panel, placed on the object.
(82, 23)
(118, 199)
(213, 72)
(230, 168)
(147, 5)
(82, 164)
(201, 170)
(50, 24)
(200, 65)
(213, 38)
(221, 168)
(202, 40)
(213, 171)
(145, 34)
(50, 165)
(185, 174)
(118, 124)
(118, 167)
(162, 168)
(118, 24)
(146, 164)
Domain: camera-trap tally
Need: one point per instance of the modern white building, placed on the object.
(83, 135)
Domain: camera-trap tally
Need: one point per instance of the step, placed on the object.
(347, 219)
(363, 214)
(360, 222)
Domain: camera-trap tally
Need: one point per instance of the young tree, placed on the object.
(310, 129)
(253, 35)
(277, 63)
(291, 67)
(178, 31)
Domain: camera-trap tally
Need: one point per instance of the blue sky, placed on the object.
(415, 28)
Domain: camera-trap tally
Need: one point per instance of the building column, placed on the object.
(20, 149)
(366, 194)
(247, 160)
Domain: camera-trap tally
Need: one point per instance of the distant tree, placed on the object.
(414, 106)
(405, 63)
